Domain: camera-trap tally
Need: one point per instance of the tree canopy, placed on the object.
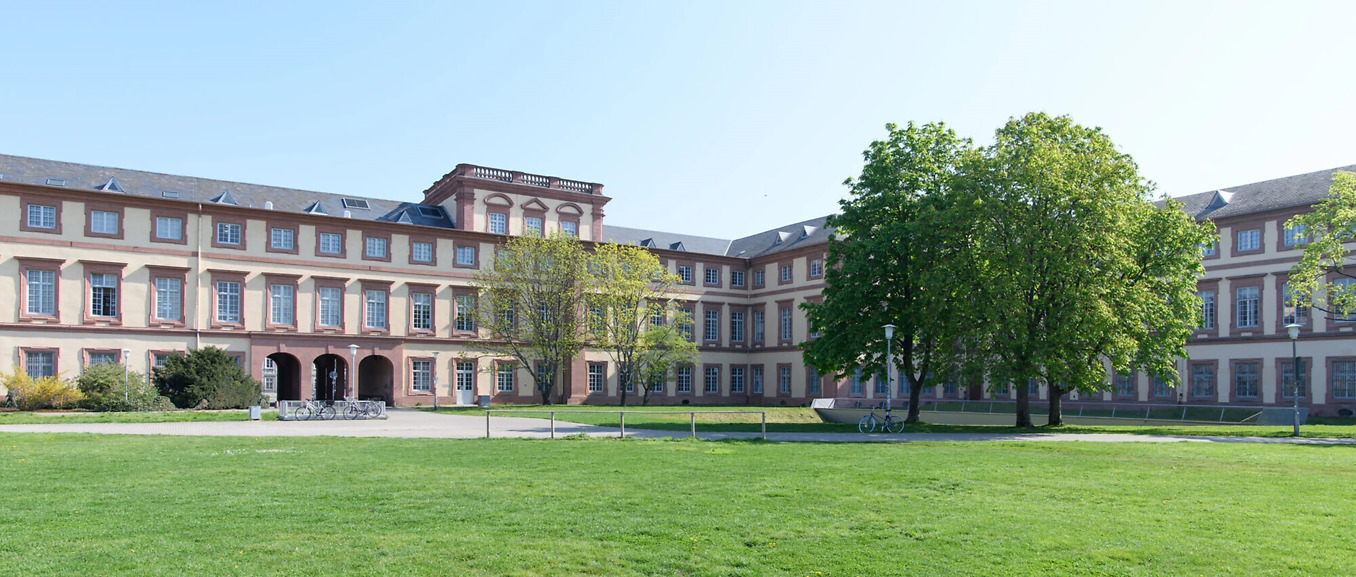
(1321, 278)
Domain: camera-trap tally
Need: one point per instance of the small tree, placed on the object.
(210, 375)
(531, 303)
(664, 344)
(105, 389)
(1321, 278)
(31, 393)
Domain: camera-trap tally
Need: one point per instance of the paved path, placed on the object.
(407, 423)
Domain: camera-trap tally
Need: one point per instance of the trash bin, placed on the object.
(483, 401)
(255, 413)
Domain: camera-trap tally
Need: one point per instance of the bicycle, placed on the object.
(361, 410)
(889, 423)
(313, 409)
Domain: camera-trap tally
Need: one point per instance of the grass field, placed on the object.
(803, 420)
(100, 505)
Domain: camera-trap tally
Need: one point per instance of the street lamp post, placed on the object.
(889, 386)
(353, 371)
(126, 354)
(435, 380)
(1293, 330)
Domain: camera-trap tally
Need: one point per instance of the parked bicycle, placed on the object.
(313, 409)
(361, 409)
(888, 423)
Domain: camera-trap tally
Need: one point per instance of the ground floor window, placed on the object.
(40, 364)
(684, 380)
(466, 374)
(756, 380)
(784, 380)
(597, 377)
(421, 375)
(504, 377)
(1246, 380)
(1203, 381)
(1344, 380)
(712, 381)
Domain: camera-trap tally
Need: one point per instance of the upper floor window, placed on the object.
(498, 223)
(712, 276)
(282, 238)
(569, 228)
(421, 311)
(1293, 314)
(736, 326)
(376, 247)
(228, 233)
(375, 317)
(103, 222)
(532, 226)
(1246, 301)
(331, 243)
(103, 290)
(758, 323)
(466, 307)
(1209, 248)
(421, 251)
(228, 302)
(1250, 239)
(685, 273)
(41, 292)
(169, 228)
(786, 273)
(816, 268)
(1294, 235)
(1207, 309)
(331, 306)
(758, 277)
(42, 216)
(786, 324)
(736, 278)
(712, 326)
(466, 255)
(168, 298)
(282, 303)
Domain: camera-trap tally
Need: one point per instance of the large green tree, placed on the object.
(531, 305)
(207, 377)
(1070, 263)
(1321, 278)
(629, 314)
(886, 263)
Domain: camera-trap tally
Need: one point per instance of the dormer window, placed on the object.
(356, 203)
(56, 182)
(111, 186)
(225, 198)
(316, 208)
(430, 212)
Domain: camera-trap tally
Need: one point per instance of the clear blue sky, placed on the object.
(714, 118)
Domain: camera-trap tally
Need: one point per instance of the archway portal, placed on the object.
(286, 376)
(330, 380)
(374, 378)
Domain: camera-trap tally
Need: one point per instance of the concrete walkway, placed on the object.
(408, 423)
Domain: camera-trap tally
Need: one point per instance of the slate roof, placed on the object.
(773, 241)
(668, 240)
(1300, 190)
(187, 188)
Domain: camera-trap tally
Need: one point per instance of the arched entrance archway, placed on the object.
(375, 374)
(330, 380)
(286, 375)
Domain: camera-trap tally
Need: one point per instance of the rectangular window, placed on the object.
(532, 226)
(466, 375)
(685, 325)
(1341, 286)
(168, 298)
(712, 381)
(685, 273)
(1209, 248)
(421, 251)
(331, 243)
(421, 375)
(1295, 235)
(756, 380)
(712, 276)
(103, 222)
(786, 273)
(657, 383)
(1288, 380)
(375, 317)
(282, 239)
(786, 324)
(683, 379)
(270, 375)
(882, 384)
(504, 377)
(282, 303)
(1202, 381)
(228, 233)
(1246, 303)
(1344, 380)
(758, 277)
(737, 380)
(102, 359)
(228, 302)
(759, 322)
(1246, 380)
(737, 278)
(1160, 388)
(1293, 314)
(466, 255)
(498, 223)
(597, 377)
(169, 228)
(784, 380)
(855, 383)
(736, 326)
(41, 216)
(466, 313)
(42, 285)
(1125, 385)
(103, 291)
(812, 381)
(421, 311)
(1207, 309)
(376, 247)
(331, 306)
(40, 364)
(570, 229)
(816, 268)
(712, 325)
(1250, 239)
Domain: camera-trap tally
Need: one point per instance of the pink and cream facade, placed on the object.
(312, 291)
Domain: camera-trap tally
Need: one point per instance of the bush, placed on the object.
(208, 375)
(103, 385)
(31, 394)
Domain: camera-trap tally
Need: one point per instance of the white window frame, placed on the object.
(331, 313)
(421, 375)
(421, 251)
(228, 233)
(228, 301)
(1249, 240)
(374, 314)
(421, 311)
(42, 216)
(569, 228)
(41, 289)
(1207, 309)
(498, 222)
(40, 364)
(331, 243)
(711, 381)
(682, 377)
(282, 238)
(282, 303)
(103, 222)
(533, 226)
(103, 294)
(169, 228)
(168, 298)
(466, 255)
(375, 247)
(505, 377)
(1248, 307)
(597, 377)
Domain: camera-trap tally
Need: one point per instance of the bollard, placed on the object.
(553, 424)
(487, 424)
(764, 425)
(622, 414)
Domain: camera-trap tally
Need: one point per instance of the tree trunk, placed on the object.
(915, 393)
(1056, 407)
(1023, 406)
(622, 378)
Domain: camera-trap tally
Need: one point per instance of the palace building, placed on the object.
(316, 292)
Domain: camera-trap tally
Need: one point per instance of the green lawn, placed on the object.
(26, 418)
(803, 420)
(99, 505)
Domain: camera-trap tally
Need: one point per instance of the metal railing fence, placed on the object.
(621, 418)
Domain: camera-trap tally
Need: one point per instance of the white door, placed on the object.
(466, 378)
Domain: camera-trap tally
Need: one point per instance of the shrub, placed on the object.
(209, 375)
(42, 393)
(103, 388)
